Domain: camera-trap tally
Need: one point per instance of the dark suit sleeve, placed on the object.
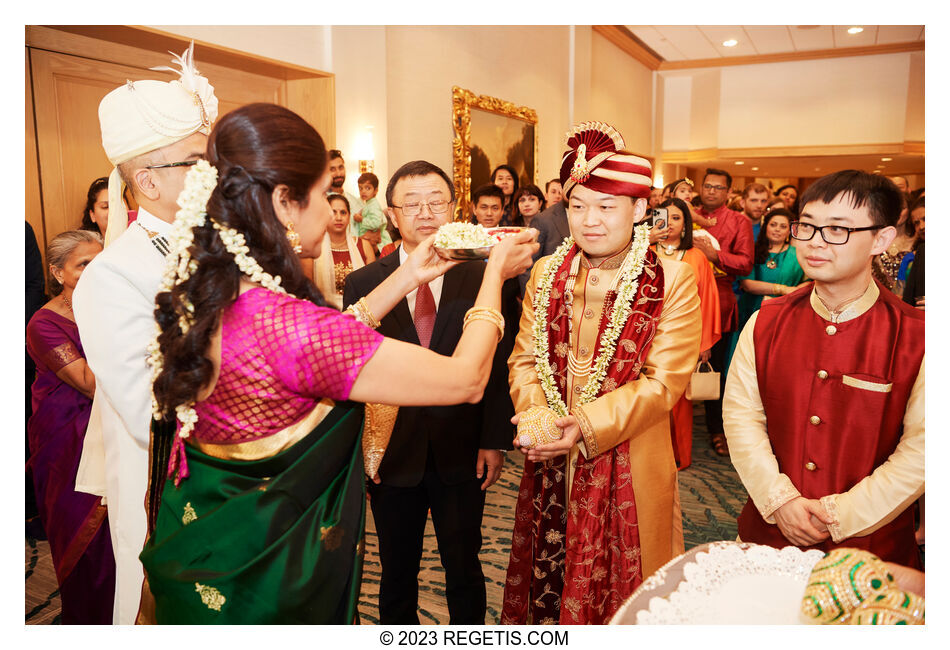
(542, 224)
(914, 287)
(35, 295)
(497, 409)
(357, 284)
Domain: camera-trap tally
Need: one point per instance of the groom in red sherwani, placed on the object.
(824, 403)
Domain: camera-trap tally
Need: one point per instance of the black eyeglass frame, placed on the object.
(183, 163)
(821, 229)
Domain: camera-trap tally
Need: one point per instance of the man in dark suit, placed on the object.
(552, 228)
(439, 458)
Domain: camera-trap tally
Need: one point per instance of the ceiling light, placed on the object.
(876, 171)
(855, 30)
(730, 43)
(740, 162)
(755, 169)
(817, 169)
(886, 159)
(880, 166)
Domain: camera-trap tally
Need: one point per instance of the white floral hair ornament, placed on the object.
(193, 200)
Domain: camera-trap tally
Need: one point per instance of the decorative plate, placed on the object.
(734, 583)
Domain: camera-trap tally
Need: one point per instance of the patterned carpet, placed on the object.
(710, 493)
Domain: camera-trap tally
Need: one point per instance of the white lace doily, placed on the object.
(737, 584)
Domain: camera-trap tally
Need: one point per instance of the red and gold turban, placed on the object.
(596, 159)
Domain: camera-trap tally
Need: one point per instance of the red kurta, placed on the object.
(831, 417)
(734, 234)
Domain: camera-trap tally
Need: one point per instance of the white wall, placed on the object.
(621, 92)
(359, 66)
(525, 66)
(306, 45)
(845, 101)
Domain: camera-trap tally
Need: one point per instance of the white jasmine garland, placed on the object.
(460, 234)
(200, 182)
(629, 282)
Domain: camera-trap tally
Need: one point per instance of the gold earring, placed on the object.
(294, 238)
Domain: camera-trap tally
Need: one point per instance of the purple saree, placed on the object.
(75, 522)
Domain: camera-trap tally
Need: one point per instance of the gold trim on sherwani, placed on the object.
(637, 411)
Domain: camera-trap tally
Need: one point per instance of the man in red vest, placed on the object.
(824, 404)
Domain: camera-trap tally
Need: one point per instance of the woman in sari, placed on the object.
(775, 270)
(260, 518)
(679, 246)
(75, 522)
(340, 254)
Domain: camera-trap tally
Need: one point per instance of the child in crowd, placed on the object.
(371, 220)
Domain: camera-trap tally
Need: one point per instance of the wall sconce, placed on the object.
(364, 150)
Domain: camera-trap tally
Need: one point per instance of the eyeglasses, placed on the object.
(183, 163)
(718, 188)
(414, 209)
(831, 234)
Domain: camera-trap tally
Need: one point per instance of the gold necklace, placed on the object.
(841, 307)
(68, 303)
(577, 367)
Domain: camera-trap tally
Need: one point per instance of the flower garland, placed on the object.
(629, 282)
(193, 200)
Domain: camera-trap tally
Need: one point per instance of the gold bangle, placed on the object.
(484, 313)
(485, 310)
(360, 311)
(492, 316)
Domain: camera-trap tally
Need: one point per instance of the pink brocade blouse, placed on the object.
(279, 357)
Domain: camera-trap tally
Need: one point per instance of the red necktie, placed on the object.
(424, 315)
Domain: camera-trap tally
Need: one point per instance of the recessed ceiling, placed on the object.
(692, 42)
(805, 166)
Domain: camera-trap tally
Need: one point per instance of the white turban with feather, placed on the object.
(142, 116)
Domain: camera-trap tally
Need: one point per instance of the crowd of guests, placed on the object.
(264, 298)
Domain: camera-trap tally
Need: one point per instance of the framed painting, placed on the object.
(490, 132)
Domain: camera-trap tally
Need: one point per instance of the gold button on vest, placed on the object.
(815, 419)
(831, 330)
(822, 374)
(810, 466)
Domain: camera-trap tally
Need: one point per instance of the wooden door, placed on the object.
(66, 93)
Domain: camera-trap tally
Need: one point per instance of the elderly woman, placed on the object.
(75, 522)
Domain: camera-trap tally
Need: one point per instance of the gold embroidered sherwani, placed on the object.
(638, 411)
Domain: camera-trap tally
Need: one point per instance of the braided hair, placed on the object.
(255, 148)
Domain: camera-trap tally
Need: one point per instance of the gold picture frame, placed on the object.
(513, 140)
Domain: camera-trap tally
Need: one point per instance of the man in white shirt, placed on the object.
(152, 131)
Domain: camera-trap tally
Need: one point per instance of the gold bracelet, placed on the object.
(360, 311)
(484, 313)
(493, 316)
(501, 328)
(485, 310)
